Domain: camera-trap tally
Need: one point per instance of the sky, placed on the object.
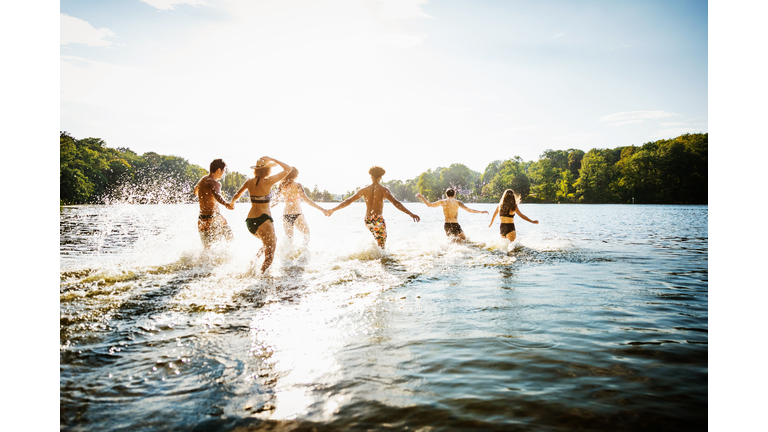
(336, 86)
(524, 75)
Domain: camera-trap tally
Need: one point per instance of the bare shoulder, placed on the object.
(386, 192)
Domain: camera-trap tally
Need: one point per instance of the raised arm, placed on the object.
(307, 200)
(281, 175)
(429, 204)
(388, 195)
(495, 212)
(461, 204)
(517, 210)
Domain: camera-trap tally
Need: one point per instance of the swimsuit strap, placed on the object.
(262, 199)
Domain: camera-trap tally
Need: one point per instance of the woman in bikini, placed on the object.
(259, 221)
(507, 208)
(293, 193)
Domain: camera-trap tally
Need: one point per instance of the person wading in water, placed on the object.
(210, 223)
(293, 194)
(259, 221)
(374, 195)
(450, 207)
(507, 208)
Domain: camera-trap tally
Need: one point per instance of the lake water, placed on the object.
(595, 319)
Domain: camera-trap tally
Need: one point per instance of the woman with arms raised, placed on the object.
(259, 221)
(293, 193)
(507, 208)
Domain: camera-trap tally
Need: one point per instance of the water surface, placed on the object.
(595, 319)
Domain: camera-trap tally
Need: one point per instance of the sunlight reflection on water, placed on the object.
(567, 319)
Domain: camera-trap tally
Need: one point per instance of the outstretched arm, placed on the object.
(461, 204)
(307, 200)
(388, 195)
(216, 191)
(517, 210)
(495, 212)
(239, 193)
(345, 203)
(429, 204)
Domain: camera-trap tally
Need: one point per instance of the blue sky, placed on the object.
(334, 87)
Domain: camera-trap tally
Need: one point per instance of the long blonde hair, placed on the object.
(287, 180)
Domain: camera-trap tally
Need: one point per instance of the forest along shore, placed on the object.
(671, 171)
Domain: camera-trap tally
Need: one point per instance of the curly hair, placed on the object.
(377, 171)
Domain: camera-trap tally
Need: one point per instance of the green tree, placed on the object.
(594, 178)
(544, 177)
(565, 186)
(429, 184)
(574, 161)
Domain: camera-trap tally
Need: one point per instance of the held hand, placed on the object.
(328, 212)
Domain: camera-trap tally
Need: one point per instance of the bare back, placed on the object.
(374, 195)
(208, 191)
(450, 210)
(259, 187)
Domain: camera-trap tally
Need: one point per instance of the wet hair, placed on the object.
(291, 175)
(216, 164)
(450, 192)
(508, 203)
(377, 171)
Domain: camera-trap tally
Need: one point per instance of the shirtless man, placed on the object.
(451, 211)
(211, 224)
(374, 195)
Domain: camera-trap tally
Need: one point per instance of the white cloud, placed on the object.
(557, 35)
(170, 4)
(635, 117)
(402, 9)
(75, 30)
(399, 40)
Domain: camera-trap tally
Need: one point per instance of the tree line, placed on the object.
(671, 171)
(660, 172)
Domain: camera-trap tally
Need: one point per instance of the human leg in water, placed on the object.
(301, 225)
(266, 233)
(289, 221)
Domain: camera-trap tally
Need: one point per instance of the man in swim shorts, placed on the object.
(451, 211)
(211, 224)
(374, 195)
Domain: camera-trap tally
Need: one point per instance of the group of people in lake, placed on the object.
(213, 226)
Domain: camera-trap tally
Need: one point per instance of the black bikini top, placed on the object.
(262, 199)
